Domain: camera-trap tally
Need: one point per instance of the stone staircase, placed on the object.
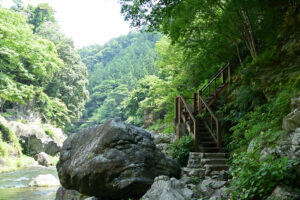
(206, 164)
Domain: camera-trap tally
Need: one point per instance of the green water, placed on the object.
(14, 185)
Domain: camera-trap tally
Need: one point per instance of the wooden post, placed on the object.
(180, 108)
(196, 138)
(199, 102)
(219, 135)
(229, 73)
(211, 123)
(195, 103)
(215, 87)
(176, 110)
(223, 77)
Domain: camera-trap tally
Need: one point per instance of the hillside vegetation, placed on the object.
(42, 78)
(114, 72)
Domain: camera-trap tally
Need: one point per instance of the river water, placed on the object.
(14, 185)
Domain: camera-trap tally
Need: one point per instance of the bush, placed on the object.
(181, 148)
(264, 120)
(254, 179)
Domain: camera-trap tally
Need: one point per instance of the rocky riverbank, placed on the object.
(22, 142)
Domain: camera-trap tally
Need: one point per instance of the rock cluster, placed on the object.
(165, 188)
(33, 138)
(114, 161)
(163, 141)
(43, 159)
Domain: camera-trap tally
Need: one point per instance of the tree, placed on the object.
(27, 64)
(69, 83)
(40, 14)
(239, 22)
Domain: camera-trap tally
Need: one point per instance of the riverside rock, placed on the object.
(44, 180)
(112, 161)
(43, 159)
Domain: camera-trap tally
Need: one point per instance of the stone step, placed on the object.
(204, 134)
(208, 144)
(210, 149)
(216, 167)
(215, 155)
(209, 161)
(205, 139)
(195, 154)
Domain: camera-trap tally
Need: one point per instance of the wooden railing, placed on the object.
(215, 85)
(212, 123)
(201, 106)
(184, 114)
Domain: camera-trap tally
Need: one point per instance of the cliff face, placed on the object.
(26, 135)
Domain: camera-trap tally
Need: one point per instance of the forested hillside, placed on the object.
(40, 68)
(114, 70)
(43, 84)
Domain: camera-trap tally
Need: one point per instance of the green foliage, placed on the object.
(181, 148)
(3, 148)
(6, 135)
(49, 132)
(69, 83)
(254, 179)
(155, 94)
(46, 76)
(297, 83)
(195, 180)
(263, 121)
(40, 14)
(114, 70)
(91, 155)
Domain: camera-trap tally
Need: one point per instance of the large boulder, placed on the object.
(43, 159)
(113, 161)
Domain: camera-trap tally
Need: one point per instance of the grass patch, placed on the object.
(54, 159)
(49, 132)
(16, 163)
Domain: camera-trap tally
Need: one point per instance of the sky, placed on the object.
(87, 22)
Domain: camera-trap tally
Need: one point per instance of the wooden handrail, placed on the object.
(184, 114)
(180, 103)
(209, 110)
(187, 108)
(218, 136)
(215, 76)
